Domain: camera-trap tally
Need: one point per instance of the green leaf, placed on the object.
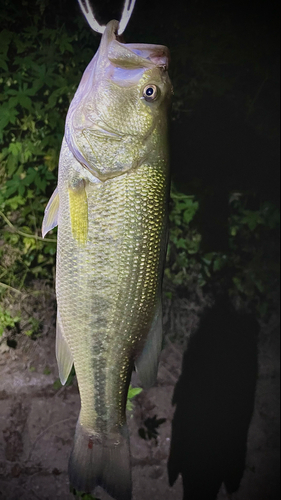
(208, 258)
(15, 148)
(3, 64)
(25, 101)
(57, 384)
(238, 283)
(132, 392)
(252, 219)
(5, 40)
(13, 102)
(181, 243)
(7, 115)
(219, 263)
(7, 320)
(12, 164)
(15, 202)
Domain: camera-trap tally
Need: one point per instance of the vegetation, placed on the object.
(44, 50)
(7, 321)
(150, 429)
(41, 65)
(43, 53)
(250, 266)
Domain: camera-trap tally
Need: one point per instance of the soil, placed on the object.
(38, 418)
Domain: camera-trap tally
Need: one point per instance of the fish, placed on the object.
(110, 206)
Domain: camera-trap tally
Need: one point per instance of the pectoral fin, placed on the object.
(147, 362)
(51, 213)
(78, 204)
(63, 353)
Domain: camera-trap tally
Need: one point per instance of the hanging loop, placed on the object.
(90, 17)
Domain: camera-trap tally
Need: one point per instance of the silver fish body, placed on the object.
(111, 211)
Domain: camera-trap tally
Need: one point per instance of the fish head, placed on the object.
(118, 117)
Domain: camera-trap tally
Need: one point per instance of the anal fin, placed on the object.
(147, 363)
(63, 353)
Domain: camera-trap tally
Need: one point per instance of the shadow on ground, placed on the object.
(214, 400)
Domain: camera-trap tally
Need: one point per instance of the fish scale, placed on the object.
(118, 283)
(111, 210)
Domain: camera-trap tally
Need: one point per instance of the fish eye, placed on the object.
(150, 92)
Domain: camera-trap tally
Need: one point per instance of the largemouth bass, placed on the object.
(111, 210)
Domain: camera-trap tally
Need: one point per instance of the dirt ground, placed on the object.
(37, 420)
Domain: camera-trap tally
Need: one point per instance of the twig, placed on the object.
(27, 294)
(8, 287)
(25, 235)
(41, 292)
(173, 347)
(3, 274)
(174, 379)
(61, 389)
(44, 432)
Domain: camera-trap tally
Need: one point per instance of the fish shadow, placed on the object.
(214, 400)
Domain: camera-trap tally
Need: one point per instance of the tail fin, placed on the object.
(101, 461)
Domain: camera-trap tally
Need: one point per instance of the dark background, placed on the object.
(224, 139)
(225, 116)
(225, 71)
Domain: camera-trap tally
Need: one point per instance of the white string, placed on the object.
(126, 14)
(90, 17)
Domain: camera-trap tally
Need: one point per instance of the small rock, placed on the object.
(56, 472)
